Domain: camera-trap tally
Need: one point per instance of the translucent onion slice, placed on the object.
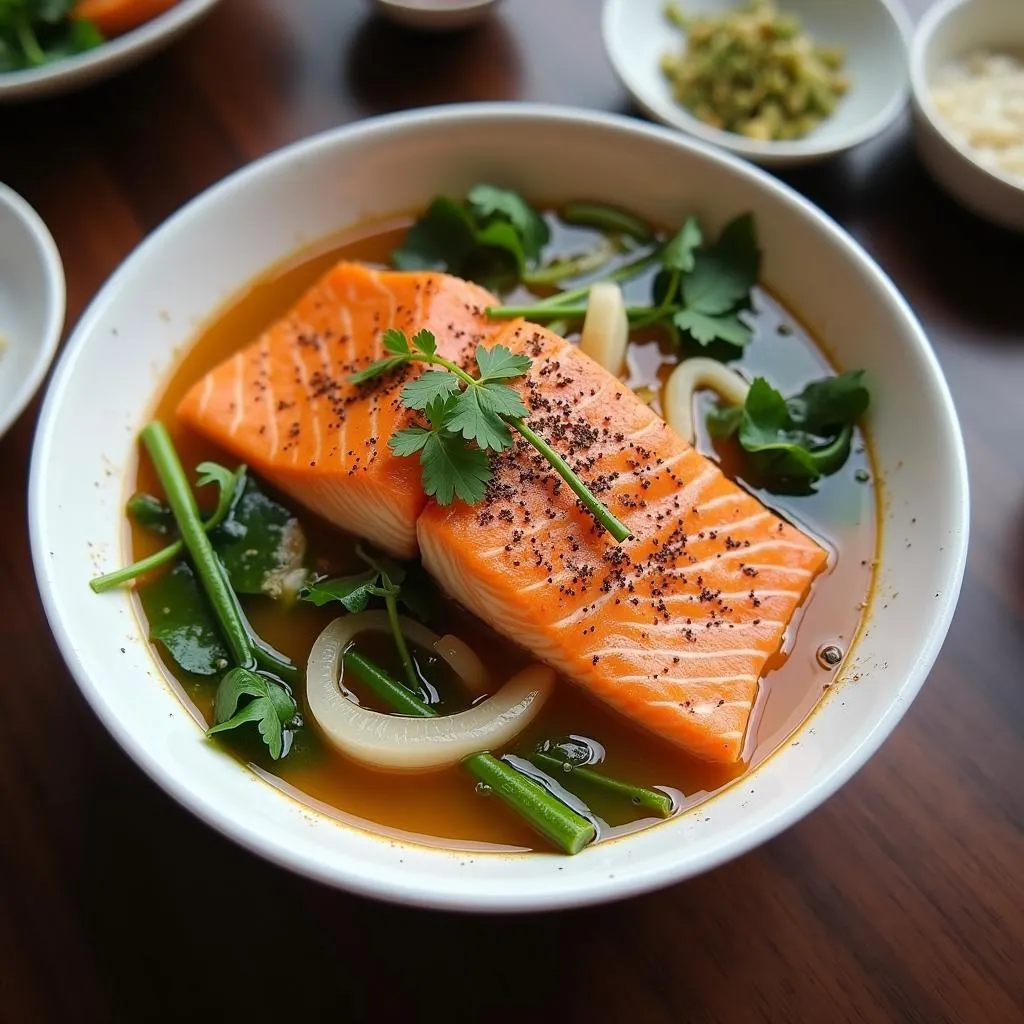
(464, 662)
(683, 384)
(400, 743)
(606, 326)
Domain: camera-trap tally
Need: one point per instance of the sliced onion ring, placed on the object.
(606, 326)
(690, 375)
(400, 743)
(464, 662)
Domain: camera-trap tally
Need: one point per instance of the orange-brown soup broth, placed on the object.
(445, 807)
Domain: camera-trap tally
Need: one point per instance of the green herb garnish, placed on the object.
(37, 32)
(800, 439)
(272, 707)
(467, 417)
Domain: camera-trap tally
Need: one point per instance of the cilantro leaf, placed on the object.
(425, 342)
(487, 201)
(678, 253)
(470, 418)
(501, 400)
(378, 369)
(451, 469)
(704, 328)
(395, 341)
(499, 362)
(408, 441)
(428, 387)
(272, 707)
(440, 240)
(354, 592)
(723, 275)
(800, 439)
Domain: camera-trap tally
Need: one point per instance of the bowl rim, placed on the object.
(922, 96)
(70, 70)
(797, 149)
(55, 299)
(417, 890)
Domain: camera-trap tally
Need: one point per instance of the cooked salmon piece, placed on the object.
(285, 405)
(674, 627)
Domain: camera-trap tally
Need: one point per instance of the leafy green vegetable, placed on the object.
(151, 513)
(799, 440)
(678, 253)
(36, 32)
(491, 238)
(463, 411)
(273, 708)
(180, 619)
(258, 539)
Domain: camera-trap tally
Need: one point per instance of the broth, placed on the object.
(443, 807)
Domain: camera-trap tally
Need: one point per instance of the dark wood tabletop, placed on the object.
(901, 899)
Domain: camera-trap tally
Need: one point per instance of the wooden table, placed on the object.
(902, 899)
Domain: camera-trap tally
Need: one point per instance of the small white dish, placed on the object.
(210, 251)
(874, 33)
(949, 31)
(32, 297)
(435, 15)
(104, 61)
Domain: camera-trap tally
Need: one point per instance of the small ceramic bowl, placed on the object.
(874, 33)
(31, 304)
(950, 31)
(435, 15)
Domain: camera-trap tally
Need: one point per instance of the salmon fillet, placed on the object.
(674, 627)
(285, 405)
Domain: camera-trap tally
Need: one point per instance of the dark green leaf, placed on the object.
(474, 422)
(829, 403)
(151, 513)
(378, 369)
(408, 441)
(723, 275)
(440, 240)
(705, 329)
(678, 254)
(724, 420)
(259, 538)
(429, 386)
(181, 621)
(439, 410)
(272, 707)
(395, 342)
(504, 240)
(489, 202)
(353, 592)
(499, 363)
(501, 400)
(451, 469)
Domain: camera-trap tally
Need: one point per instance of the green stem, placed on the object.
(436, 360)
(606, 218)
(585, 263)
(568, 830)
(650, 799)
(603, 515)
(209, 570)
(540, 311)
(626, 271)
(391, 602)
(29, 43)
(161, 557)
(662, 310)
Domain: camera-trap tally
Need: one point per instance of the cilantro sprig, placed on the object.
(467, 418)
(700, 290)
(795, 441)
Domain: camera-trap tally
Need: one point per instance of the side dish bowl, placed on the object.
(873, 33)
(949, 31)
(105, 60)
(208, 251)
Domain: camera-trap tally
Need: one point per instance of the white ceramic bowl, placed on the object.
(435, 15)
(210, 249)
(949, 31)
(104, 61)
(31, 304)
(875, 34)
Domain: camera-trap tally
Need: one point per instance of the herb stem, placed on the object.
(163, 556)
(436, 360)
(575, 266)
(540, 311)
(570, 831)
(603, 515)
(623, 273)
(208, 567)
(29, 43)
(606, 218)
(391, 603)
(650, 799)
